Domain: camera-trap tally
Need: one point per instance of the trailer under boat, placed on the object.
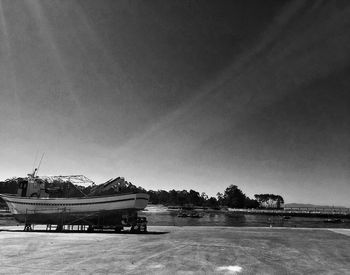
(32, 205)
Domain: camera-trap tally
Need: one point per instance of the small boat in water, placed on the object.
(334, 220)
(182, 214)
(32, 205)
(195, 214)
(189, 214)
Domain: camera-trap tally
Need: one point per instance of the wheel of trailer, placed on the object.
(135, 229)
(118, 229)
(28, 227)
(59, 228)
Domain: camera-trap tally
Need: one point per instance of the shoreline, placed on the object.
(39, 228)
(297, 212)
(221, 220)
(42, 227)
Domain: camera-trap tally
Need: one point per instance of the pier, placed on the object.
(298, 212)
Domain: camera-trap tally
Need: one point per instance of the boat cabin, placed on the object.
(32, 187)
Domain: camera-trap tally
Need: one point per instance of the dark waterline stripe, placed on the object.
(73, 204)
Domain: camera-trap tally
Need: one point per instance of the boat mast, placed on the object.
(37, 169)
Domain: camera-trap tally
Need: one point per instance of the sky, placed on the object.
(180, 94)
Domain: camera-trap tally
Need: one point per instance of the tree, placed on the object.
(163, 197)
(220, 197)
(173, 199)
(182, 197)
(234, 197)
(194, 197)
(10, 185)
(204, 197)
(251, 203)
(153, 196)
(212, 202)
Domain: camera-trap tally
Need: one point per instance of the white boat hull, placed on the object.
(109, 209)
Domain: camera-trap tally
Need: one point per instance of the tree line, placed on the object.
(232, 197)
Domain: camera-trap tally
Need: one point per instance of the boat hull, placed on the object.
(100, 218)
(104, 210)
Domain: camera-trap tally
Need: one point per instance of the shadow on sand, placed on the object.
(126, 232)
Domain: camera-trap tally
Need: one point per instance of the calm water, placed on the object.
(222, 219)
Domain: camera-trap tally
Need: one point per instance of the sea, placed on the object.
(168, 218)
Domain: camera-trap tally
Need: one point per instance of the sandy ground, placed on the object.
(177, 250)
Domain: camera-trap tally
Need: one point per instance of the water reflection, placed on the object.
(231, 219)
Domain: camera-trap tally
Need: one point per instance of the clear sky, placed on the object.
(180, 94)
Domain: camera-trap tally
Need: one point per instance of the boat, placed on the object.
(49, 210)
(195, 214)
(189, 214)
(334, 220)
(182, 214)
(32, 205)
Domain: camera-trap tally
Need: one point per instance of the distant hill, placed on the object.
(311, 205)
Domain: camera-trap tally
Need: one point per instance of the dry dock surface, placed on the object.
(178, 250)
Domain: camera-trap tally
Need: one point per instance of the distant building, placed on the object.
(271, 203)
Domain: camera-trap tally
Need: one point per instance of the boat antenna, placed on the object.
(36, 170)
(36, 156)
